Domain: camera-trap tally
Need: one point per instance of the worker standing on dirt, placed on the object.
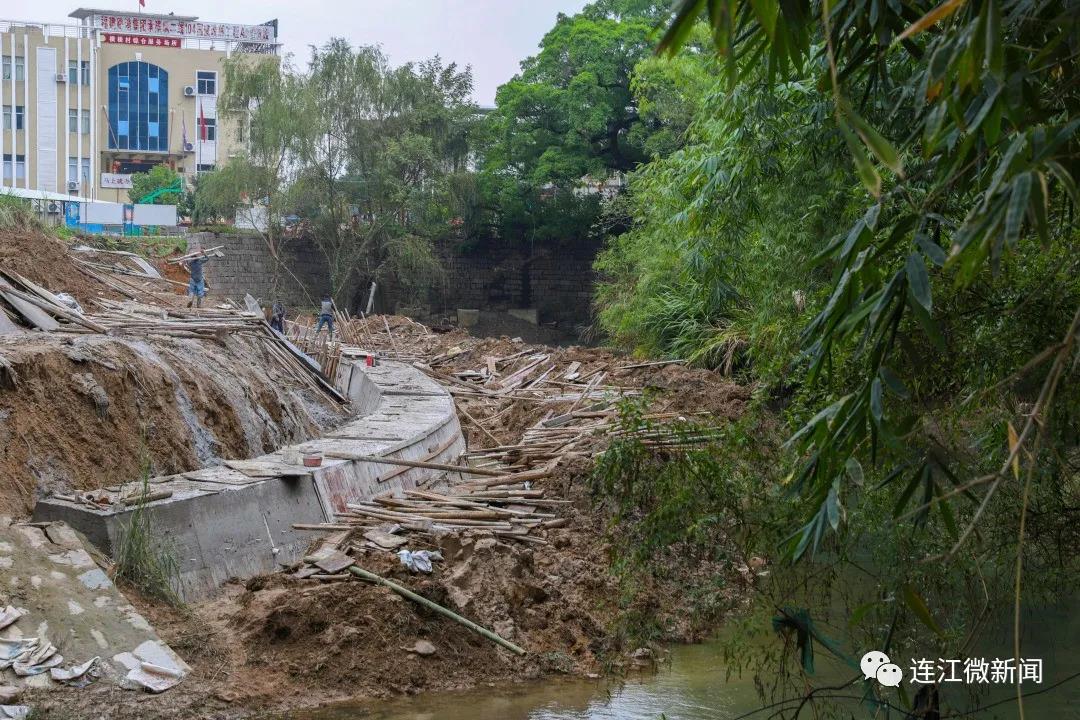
(326, 316)
(197, 283)
(277, 317)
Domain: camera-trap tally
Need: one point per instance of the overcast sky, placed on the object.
(491, 35)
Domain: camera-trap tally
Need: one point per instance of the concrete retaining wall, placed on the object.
(235, 520)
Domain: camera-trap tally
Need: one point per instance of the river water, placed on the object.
(693, 687)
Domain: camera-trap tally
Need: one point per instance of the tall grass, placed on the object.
(16, 214)
(146, 562)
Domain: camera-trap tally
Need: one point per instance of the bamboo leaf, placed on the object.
(1018, 203)
(877, 409)
(860, 612)
(686, 13)
(832, 505)
(933, 332)
(919, 281)
(867, 173)
(931, 18)
(877, 144)
(915, 602)
(934, 251)
(895, 383)
(854, 471)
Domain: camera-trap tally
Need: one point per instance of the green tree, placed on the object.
(570, 113)
(160, 177)
(363, 152)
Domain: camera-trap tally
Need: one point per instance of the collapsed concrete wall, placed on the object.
(236, 520)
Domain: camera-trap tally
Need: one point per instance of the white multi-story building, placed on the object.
(86, 105)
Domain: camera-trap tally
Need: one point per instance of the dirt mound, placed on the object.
(47, 261)
(84, 411)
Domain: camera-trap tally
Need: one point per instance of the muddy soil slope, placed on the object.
(280, 642)
(79, 411)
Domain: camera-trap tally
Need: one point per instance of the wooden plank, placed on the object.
(414, 463)
(33, 314)
(7, 327)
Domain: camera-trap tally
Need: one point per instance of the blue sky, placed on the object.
(491, 35)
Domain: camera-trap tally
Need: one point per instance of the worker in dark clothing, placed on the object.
(197, 283)
(326, 316)
(277, 317)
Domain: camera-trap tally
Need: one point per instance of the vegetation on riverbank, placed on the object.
(867, 211)
(873, 217)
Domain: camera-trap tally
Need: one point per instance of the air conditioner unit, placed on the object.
(73, 185)
(61, 78)
(54, 208)
(189, 91)
(189, 147)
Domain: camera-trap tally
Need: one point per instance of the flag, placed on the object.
(183, 128)
(142, 3)
(202, 123)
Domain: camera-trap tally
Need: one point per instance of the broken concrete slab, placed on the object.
(236, 520)
(67, 601)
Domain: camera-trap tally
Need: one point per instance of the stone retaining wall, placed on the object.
(249, 267)
(497, 277)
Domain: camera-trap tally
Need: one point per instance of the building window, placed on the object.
(206, 82)
(19, 117)
(20, 67)
(73, 122)
(138, 107)
(208, 131)
(204, 167)
(78, 171)
(73, 72)
(20, 167)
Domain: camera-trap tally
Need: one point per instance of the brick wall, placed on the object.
(559, 283)
(248, 267)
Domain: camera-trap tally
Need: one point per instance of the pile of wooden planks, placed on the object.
(320, 347)
(501, 506)
(41, 308)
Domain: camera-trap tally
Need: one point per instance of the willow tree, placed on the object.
(375, 164)
(361, 151)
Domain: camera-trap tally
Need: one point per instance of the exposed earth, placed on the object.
(87, 411)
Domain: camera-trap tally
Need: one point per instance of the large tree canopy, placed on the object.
(364, 153)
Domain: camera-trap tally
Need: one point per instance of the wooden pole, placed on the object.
(415, 463)
(406, 593)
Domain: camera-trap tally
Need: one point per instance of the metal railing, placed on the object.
(47, 29)
(189, 43)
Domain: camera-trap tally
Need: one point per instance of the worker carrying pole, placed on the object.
(197, 284)
(194, 261)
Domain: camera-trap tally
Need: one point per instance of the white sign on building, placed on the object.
(115, 180)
